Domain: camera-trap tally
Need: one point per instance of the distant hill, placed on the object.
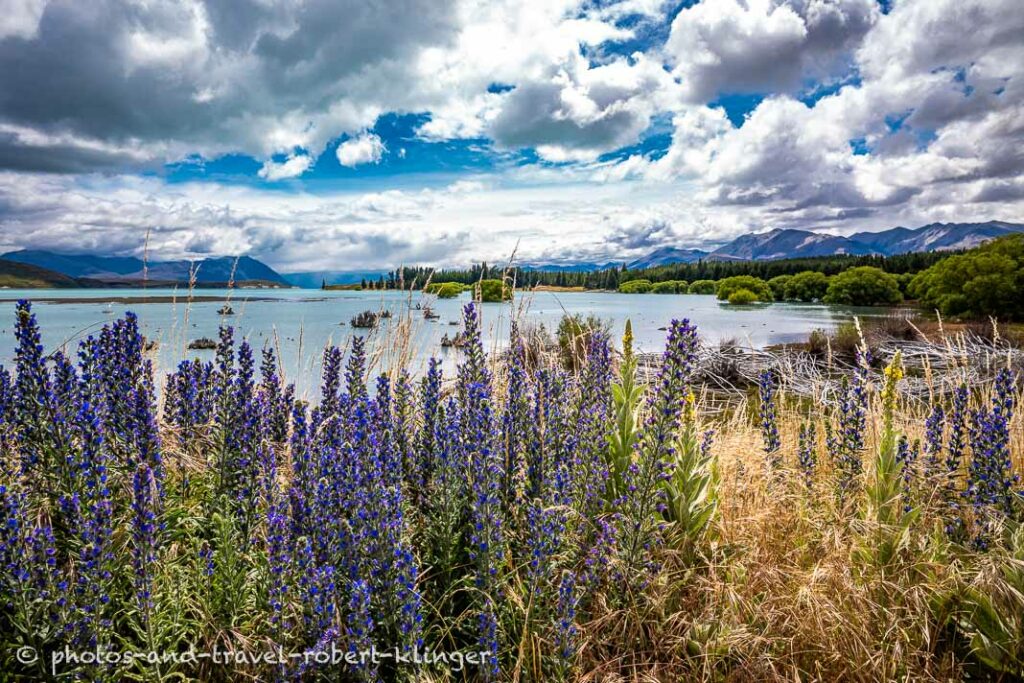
(15, 275)
(790, 243)
(314, 278)
(667, 255)
(125, 269)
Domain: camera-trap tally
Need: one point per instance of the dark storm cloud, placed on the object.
(177, 77)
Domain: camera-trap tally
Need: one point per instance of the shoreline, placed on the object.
(162, 299)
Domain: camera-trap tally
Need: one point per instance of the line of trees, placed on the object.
(611, 278)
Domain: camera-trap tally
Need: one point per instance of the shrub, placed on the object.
(809, 285)
(755, 285)
(986, 281)
(669, 287)
(742, 296)
(436, 287)
(778, 285)
(494, 291)
(635, 287)
(449, 290)
(863, 286)
(904, 280)
(701, 287)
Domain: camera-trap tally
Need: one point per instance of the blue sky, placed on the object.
(349, 135)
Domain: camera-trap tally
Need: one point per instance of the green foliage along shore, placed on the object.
(983, 282)
(755, 287)
(863, 286)
(987, 281)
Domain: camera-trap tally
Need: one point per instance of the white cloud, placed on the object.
(364, 149)
(292, 167)
(730, 46)
(21, 18)
(144, 83)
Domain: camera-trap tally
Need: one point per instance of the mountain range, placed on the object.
(791, 243)
(128, 269)
(41, 268)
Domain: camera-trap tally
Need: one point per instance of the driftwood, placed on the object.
(931, 366)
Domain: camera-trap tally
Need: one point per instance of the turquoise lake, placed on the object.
(302, 321)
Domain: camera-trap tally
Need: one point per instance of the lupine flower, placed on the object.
(955, 524)
(593, 420)
(991, 478)
(360, 624)
(957, 430)
(32, 393)
(279, 560)
(565, 616)
(95, 530)
(807, 452)
(845, 445)
(596, 570)
(206, 559)
(934, 428)
(427, 447)
(483, 461)
(769, 417)
(144, 537)
(355, 369)
(515, 425)
(906, 457)
(665, 404)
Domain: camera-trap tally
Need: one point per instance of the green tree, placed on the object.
(701, 287)
(635, 287)
(494, 291)
(986, 281)
(449, 290)
(808, 285)
(863, 286)
(669, 287)
(742, 296)
(778, 285)
(755, 285)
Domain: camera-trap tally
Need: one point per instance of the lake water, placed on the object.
(302, 321)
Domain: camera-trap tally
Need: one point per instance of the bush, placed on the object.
(742, 296)
(449, 290)
(863, 286)
(810, 285)
(669, 287)
(986, 281)
(635, 287)
(778, 285)
(494, 291)
(755, 285)
(701, 287)
(436, 287)
(904, 280)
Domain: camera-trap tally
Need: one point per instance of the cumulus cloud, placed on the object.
(213, 77)
(933, 125)
(580, 111)
(364, 149)
(737, 46)
(865, 119)
(292, 167)
(21, 18)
